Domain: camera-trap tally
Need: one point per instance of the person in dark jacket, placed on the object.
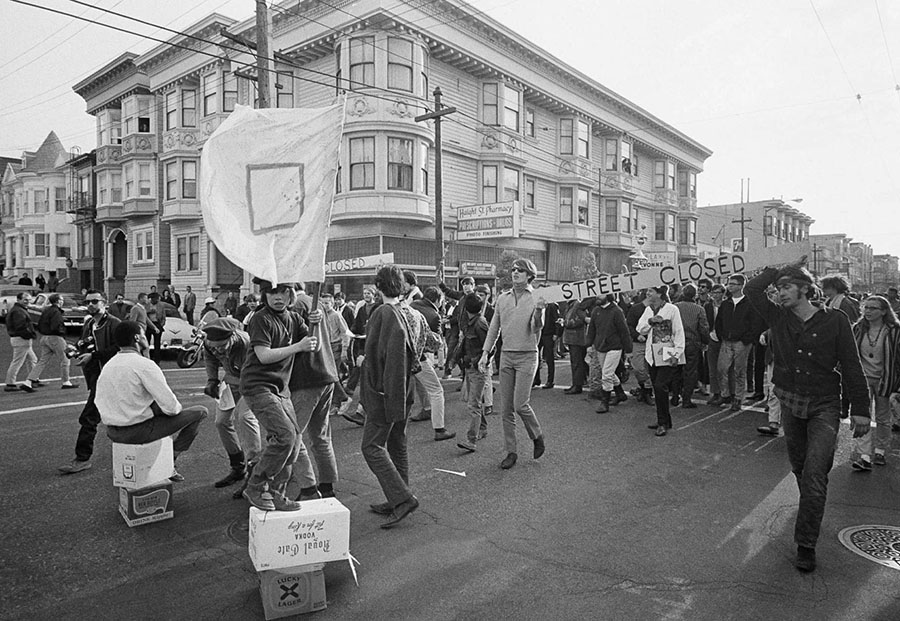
(25, 280)
(809, 343)
(696, 335)
(20, 327)
(427, 385)
(371, 301)
(52, 327)
(97, 335)
(468, 286)
(608, 335)
(639, 348)
(737, 327)
(390, 361)
(575, 338)
(550, 333)
(474, 332)
(120, 309)
(225, 347)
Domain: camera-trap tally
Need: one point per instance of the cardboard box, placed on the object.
(136, 466)
(292, 591)
(150, 504)
(318, 532)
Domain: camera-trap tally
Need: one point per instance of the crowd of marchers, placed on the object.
(281, 365)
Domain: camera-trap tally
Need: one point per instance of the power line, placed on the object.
(53, 48)
(833, 49)
(887, 49)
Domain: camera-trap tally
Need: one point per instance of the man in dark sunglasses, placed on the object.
(97, 348)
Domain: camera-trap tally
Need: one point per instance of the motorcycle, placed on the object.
(191, 352)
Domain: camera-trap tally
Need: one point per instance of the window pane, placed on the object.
(189, 180)
(625, 215)
(659, 174)
(400, 64)
(362, 62)
(583, 139)
(510, 184)
(144, 181)
(400, 164)
(189, 108)
(285, 96)
(209, 94)
(194, 252)
(583, 206)
(510, 108)
(489, 184)
(181, 254)
(529, 122)
(612, 215)
(423, 167)
(626, 157)
(490, 103)
(529, 194)
(566, 129)
(565, 204)
(659, 225)
(362, 163)
(612, 154)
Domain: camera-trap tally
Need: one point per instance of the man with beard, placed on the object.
(97, 330)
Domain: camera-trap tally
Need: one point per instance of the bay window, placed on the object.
(670, 221)
(171, 180)
(529, 122)
(144, 179)
(530, 188)
(611, 159)
(510, 108)
(171, 106)
(611, 210)
(510, 184)
(188, 107)
(584, 135)
(208, 84)
(490, 109)
(659, 227)
(670, 175)
(362, 62)
(115, 186)
(229, 92)
(423, 167)
(565, 204)
(128, 172)
(659, 174)
(566, 136)
(189, 179)
(584, 202)
(59, 200)
(625, 214)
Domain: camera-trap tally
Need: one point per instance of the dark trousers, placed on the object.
(547, 353)
(686, 379)
(384, 448)
(186, 424)
(156, 339)
(759, 368)
(579, 366)
(662, 379)
(90, 416)
(190, 315)
(810, 444)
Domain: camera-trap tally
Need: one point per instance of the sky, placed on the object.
(801, 97)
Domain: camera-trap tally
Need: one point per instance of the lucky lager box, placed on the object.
(136, 466)
(318, 532)
(292, 591)
(149, 504)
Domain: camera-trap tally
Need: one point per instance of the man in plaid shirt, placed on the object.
(809, 344)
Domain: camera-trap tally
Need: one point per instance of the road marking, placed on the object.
(46, 406)
(732, 415)
(719, 413)
(765, 445)
(748, 445)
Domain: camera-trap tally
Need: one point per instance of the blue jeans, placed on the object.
(810, 444)
(385, 452)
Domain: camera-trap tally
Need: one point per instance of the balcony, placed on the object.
(109, 213)
(397, 109)
(501, 143)
(576, 170)
(574, 232)
(382, 205)
(687, 204)
(180, 209)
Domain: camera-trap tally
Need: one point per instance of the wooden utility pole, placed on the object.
(815, 252)
(742, 221)
(263, 62)
(439, 112)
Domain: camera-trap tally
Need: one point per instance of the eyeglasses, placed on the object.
(94, 300)
(872, 308)
(517, 269)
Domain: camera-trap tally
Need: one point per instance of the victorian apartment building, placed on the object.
(36, 229)
(587, 169)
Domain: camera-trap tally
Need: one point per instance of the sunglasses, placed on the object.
(94, 301)
(517, 269)
(872, 308)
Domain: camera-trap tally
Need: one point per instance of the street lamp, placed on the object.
(638, 258)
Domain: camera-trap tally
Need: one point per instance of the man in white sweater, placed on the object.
(135, 402)
(661, 324)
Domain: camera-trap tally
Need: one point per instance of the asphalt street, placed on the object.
(611, 523)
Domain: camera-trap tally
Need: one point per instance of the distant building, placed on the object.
(885, 272)
(37, 230)
(768, 223)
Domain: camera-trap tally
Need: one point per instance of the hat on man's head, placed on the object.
(209, 300)
(527, 265)
(221, 328)
(483, 289)
(267, 285)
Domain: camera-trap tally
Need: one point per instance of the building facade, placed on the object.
(585, 168)
(885, 272)
(766, 223)
(38, 233)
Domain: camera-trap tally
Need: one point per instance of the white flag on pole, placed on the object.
(267, 182)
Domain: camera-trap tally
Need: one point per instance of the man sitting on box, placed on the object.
(135, 402)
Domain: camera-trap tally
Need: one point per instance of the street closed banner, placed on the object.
(267, 182)
(721, 266)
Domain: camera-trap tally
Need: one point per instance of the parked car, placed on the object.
(177, 333)
(8, 294)
(74, 309)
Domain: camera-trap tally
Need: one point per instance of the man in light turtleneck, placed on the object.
(519, 317)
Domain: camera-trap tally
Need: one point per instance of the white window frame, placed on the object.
(143, 246)
(43, 243)
(66, 248)
(530, 194)
(171, 180)
(511, 192)
(583, 139)
(566, 204)
(399, 67)
(611, 154)
(284, 97)
(490, 183)
(400, 173)
(142, 182)
(567, 136)
(362, 62)
(189, 181)
(189, 107)
(128, 179)
(208, 85)
(360, 147)
(583, 206)
(59, 202)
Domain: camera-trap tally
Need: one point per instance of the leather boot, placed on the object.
(603, 408)
(620, 396)
(647, 396)
(240, 493)
(238, 471)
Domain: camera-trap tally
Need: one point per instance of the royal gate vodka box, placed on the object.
(318, 532)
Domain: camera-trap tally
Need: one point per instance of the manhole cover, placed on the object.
(239, 531)
(876, 543)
